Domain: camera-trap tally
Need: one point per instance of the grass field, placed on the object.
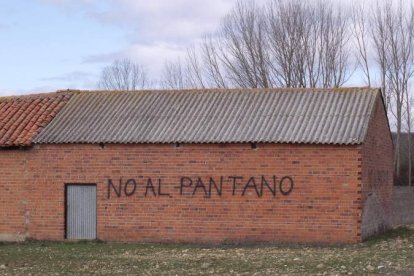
(390, 254)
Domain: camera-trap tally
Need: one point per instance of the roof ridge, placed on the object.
(274, 89)
(40, 95)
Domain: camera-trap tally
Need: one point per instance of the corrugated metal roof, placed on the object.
(21, 118)
(319, 116)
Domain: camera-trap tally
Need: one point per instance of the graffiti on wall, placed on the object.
(207, 187)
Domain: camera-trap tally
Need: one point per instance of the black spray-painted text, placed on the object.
(205, 186)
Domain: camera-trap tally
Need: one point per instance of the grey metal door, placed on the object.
(81, 212)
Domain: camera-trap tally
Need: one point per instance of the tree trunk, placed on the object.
(408, 107)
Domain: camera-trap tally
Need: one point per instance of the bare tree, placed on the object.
(194, 71)
(380, 38)
(213, 67)
(308, 44)
(391, 32)
(409, 100)
(286, 24)
(173, 76)
(334, 40)
(295, 43)
(282, 44)
(362, 40)
(243, 46)
(399, 25)
(184, 75)
(123, 75)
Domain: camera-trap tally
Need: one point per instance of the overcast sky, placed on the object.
(57, 44)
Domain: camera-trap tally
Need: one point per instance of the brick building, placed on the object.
(211, 166)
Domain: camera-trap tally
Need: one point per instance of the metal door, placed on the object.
(80, 212)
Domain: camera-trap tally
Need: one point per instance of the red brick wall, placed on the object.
(320, 208)
(13, 196)
(377, 175)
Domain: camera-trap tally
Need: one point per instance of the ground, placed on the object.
(390, 254)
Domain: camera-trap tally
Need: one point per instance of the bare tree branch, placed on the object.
(123, 75)
(360, 31)
(243, 46)
(173, 75)
(213, 67)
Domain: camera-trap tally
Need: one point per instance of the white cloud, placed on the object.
(158, 20)
(157, 29)
(71, 76)
(152, 21)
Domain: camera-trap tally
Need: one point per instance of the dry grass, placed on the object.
(390, 254)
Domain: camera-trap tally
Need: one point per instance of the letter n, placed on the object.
(117, 191)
